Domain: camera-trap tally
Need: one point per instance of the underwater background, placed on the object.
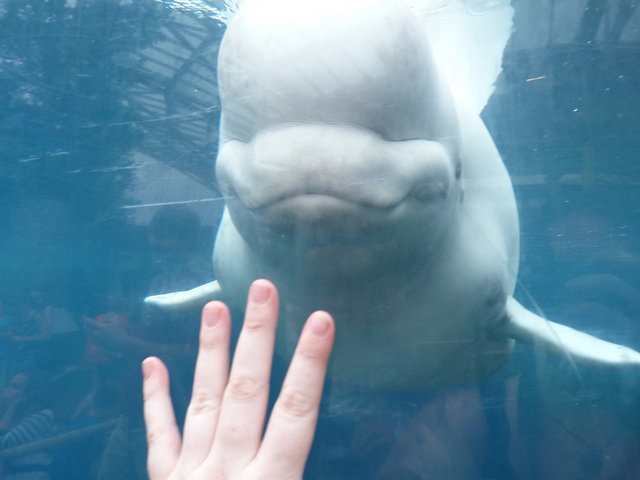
(109, 117)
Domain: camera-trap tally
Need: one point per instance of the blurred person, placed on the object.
(76, 458)
(116, 316)
(26, 418)
(30, 333)
(50, 410)
(13, 399)
(173, 337)
(65, 346)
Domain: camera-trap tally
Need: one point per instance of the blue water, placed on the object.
(108, 135)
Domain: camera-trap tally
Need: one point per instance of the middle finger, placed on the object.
(245, 400)
(210, 380)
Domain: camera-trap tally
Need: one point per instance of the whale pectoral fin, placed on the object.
(564, 342)
(187, 300)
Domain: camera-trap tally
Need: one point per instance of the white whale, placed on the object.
(360, 179)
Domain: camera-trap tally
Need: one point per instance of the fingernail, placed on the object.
(212, 316)
(147, 368)
(319, 323)
(259, 293)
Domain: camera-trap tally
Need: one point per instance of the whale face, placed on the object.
(360, 179)
(315, 184)
(336, 128)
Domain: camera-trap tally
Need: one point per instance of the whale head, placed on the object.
(359, 184)
(337, 131)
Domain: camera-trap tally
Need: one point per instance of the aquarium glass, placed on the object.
(110, 132)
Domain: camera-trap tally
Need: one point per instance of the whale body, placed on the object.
(360, 179)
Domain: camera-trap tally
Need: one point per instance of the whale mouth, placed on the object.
(320, 219)
(334, 180)
(322, 210)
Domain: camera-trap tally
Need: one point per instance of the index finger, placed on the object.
(245, 399)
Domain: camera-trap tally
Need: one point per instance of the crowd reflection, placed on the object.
(71, 403)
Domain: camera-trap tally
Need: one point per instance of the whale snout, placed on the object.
(333, 173)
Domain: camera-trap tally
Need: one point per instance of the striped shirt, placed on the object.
(33, 466)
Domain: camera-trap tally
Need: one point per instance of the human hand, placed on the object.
(224, 423)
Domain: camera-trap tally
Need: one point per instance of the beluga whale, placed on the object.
(359, 178)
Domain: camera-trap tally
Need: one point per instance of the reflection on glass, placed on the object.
(108, 138)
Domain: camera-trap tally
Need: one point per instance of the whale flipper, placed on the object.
(565, 342)
(187, 300)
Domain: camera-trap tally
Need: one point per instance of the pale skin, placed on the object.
(223, 431)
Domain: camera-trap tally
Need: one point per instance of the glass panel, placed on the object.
(359, 179)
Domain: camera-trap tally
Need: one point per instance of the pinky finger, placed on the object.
(163, 436)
